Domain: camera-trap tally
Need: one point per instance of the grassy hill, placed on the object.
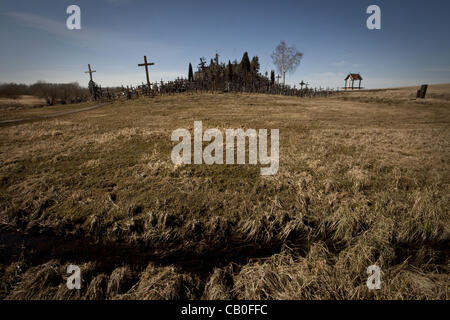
(363, 179)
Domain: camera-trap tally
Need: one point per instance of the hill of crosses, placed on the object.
(243, 76)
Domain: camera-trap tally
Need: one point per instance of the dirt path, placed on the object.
(49, 116)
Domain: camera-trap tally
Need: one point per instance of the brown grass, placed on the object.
(435, 93)
(361, 182)
(24, 101)
(30, 111)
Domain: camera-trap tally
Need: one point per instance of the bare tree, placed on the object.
(286, 59)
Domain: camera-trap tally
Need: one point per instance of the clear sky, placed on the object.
(412, 47)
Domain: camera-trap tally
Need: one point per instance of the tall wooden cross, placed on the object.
(146, 64)
(90, 71)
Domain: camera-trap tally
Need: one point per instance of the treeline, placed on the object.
(53, 93)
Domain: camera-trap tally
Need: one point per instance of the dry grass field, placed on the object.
(36, 111)
(435, 93)
(363, 179)
(21, 102)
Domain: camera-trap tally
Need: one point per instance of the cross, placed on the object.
(90, 71)
(146, 64)
(278, 78)
(302, 84)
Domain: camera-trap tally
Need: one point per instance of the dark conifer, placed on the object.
(254, 65)
(229, 71)
(216, 59)
(190, 74)
(245, 63)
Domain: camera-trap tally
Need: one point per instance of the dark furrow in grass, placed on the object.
(41, 248)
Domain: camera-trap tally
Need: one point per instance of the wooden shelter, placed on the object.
(351, 79)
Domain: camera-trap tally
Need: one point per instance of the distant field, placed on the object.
(42, 111)
(29, 106)
(434, 92)
(21, 101)
(364, 179)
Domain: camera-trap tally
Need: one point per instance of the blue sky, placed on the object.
(411, 48)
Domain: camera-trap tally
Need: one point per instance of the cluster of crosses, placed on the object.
(183, 85)
(96, 91)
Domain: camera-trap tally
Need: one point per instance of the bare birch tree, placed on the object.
(286, 59)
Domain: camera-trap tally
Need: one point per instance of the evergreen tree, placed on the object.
(229, 71)
(254, 65)
(272, 77)
(190, 74)
(245, 63)
(216, 59)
